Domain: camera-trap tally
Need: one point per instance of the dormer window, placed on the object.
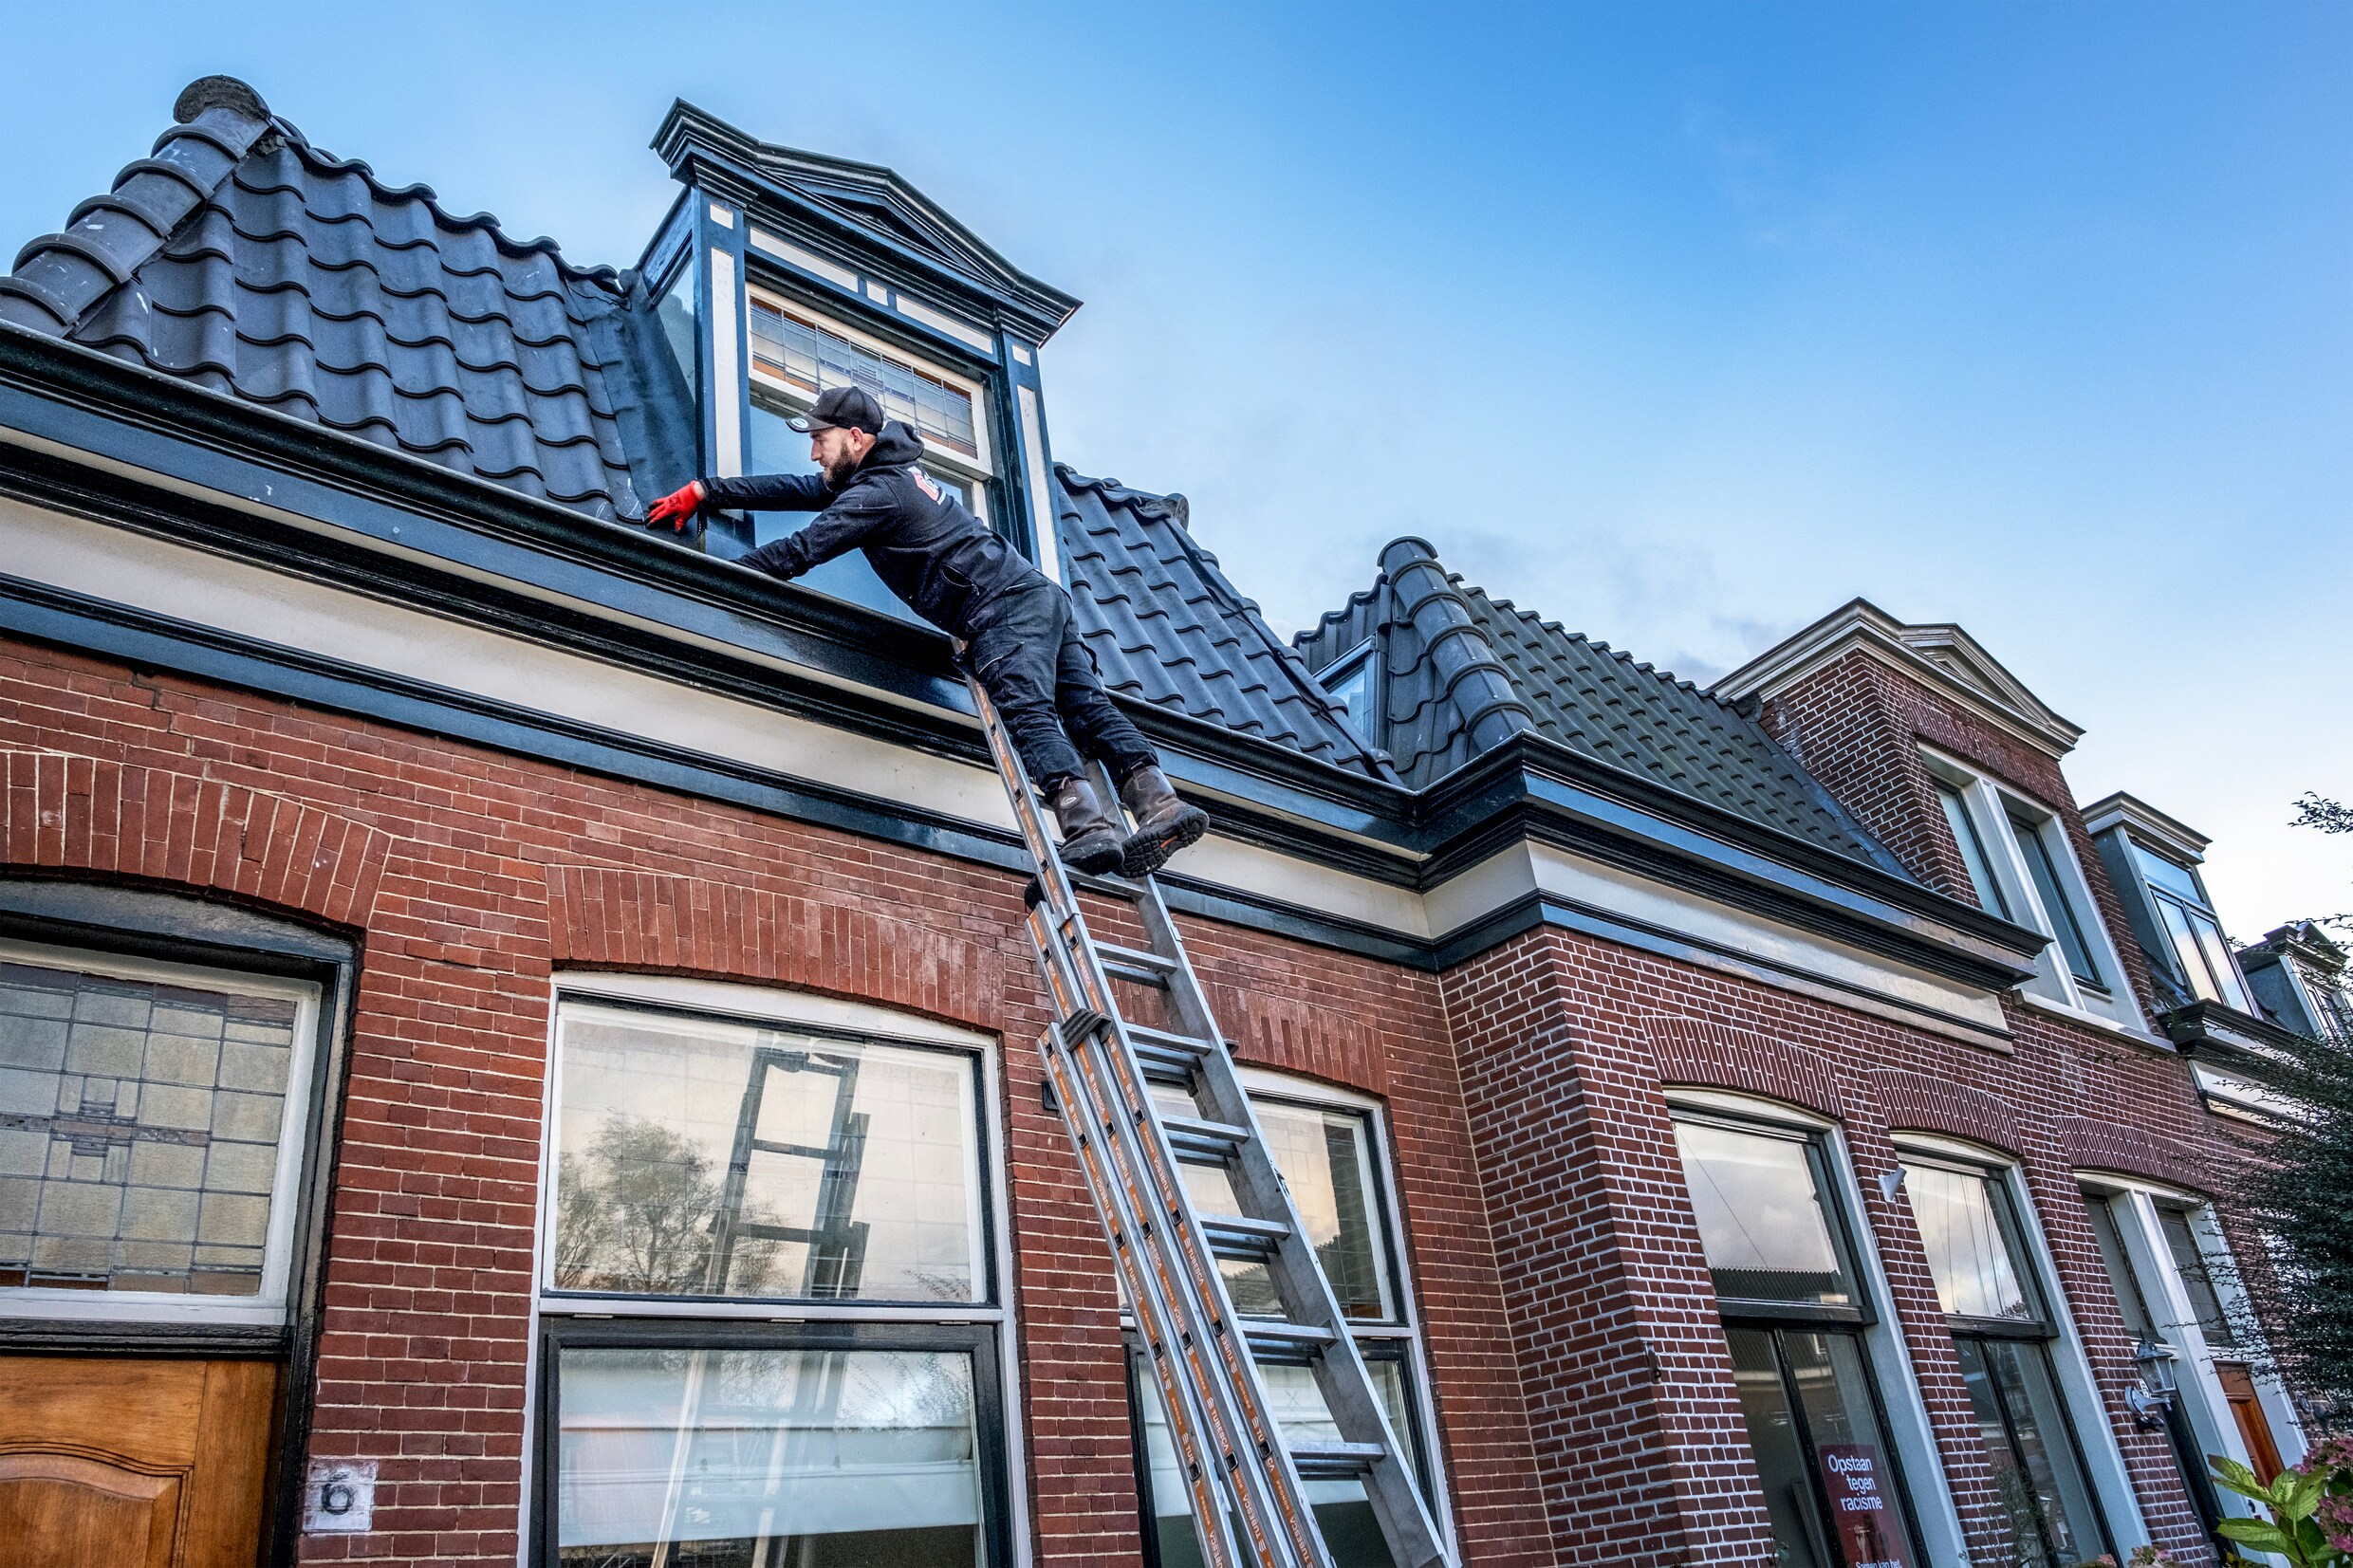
(1350, 683)
(2190, 929)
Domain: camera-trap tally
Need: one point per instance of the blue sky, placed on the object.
(1681, 324)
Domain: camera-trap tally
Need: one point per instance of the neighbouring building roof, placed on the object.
(1167, 626)
(1459, 674)
(241, 257)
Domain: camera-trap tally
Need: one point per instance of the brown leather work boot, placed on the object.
(1164, 824)
(1091, 841)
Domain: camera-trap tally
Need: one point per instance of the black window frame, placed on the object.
(2067, 921)
(560, 1333)
(2041, 1331)
(1777, 1318)
(1365, 658)
(555, 1298)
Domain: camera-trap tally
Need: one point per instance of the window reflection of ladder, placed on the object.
(1245, 1482)
(836, 1243)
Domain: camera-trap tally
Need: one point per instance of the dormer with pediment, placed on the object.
(1954, 764)
(780, 272)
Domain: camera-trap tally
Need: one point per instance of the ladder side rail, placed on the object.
(1159, 1218)
(1194, 1428)
(1340, 1375)
(1080, 987)
(727, 1219)
(1182, 1232)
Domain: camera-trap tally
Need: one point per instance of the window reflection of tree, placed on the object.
(635, 1212)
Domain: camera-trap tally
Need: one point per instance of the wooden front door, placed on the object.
(141, 1461)
(2255, 1429)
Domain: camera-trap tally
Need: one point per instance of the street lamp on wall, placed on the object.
(2151, 1398)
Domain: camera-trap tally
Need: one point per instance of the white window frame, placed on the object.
(2095, 1437)
(1909, 1429)
(2054, 987)
(976, 469)
(271, 1306)
(1261, 1084)
(2197, 1387)
(776, 1007)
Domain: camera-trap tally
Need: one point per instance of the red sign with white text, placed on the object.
(1863, 1507)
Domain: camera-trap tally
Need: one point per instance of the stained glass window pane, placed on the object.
(747, 1458)
(1969, 1255)
(139, 1129)
(702, 1158)
(1761, 1218)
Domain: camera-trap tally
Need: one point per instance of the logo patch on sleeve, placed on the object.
(924, 482)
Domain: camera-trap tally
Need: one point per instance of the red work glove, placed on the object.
(677, 508)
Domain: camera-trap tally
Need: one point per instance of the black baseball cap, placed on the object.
(841, 408)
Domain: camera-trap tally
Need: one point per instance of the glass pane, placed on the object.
(1972, 851)
(2210, 942)
(1325, 1159)
(2196, 1278)
(1354, 692)
(679, 337)
(2044, 871)
(1967, 1251)
(756, 1459)
(140, 1126)
(1789, 1497)
(1342, 1511)
(1850, 1452)
(2035, 1473)
(698, 1157)
(777, 448)
(2128, 1297)
(1761, 1218)
(2178, 880)
(2186, 954)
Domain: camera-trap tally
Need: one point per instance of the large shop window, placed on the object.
(2003, 1330)
(1329, 1154)
(1794, 1314)
(771, 1328)
(151, 1128)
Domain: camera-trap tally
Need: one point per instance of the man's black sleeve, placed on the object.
(843, 526)
(769, 492)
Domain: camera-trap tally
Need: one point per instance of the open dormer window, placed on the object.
(2192, 931)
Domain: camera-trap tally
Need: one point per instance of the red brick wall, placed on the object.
(1564, 1043)
(469, 874)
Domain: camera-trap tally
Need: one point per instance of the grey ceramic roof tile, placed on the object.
(1460, 672)
(1167, 627)
(243, 259)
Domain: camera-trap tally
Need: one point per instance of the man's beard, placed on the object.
(837, 471)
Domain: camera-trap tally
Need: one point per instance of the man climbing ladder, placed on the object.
(872, 494)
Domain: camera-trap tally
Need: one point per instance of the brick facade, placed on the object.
(1582, 1384)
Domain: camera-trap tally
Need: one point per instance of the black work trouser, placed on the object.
(1043, 678)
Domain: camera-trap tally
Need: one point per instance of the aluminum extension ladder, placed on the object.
(1249, 1505)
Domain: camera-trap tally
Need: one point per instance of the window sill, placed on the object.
(2073, 1014)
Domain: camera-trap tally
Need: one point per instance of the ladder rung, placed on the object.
(1336, 1461)
(1167, 1058)
(1110, 887)
(1198, 1142)
(1293, 1345)
(1244, 1240)
(1134, 964)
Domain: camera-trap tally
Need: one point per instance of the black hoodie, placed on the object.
(920, 540)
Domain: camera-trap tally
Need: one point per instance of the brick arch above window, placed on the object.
(59, 812)
(1699, 1053)
(1914, 1102)
(604, 918)
(2090, 1145)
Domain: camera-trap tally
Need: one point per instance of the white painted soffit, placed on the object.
(1941, 656)
(270, 607)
